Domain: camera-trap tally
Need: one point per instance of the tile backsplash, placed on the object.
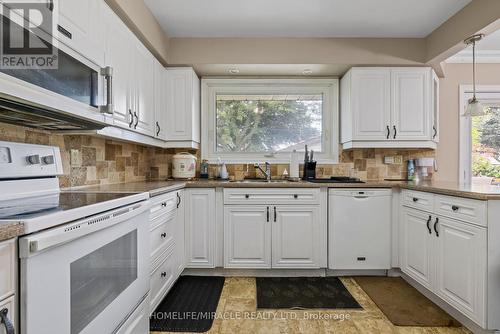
(89, 160)
(368, 164)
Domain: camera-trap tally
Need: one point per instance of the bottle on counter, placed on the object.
(411, 170)
(204, 169)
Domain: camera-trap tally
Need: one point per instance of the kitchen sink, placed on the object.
(261, 181)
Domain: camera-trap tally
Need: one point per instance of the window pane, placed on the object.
(486, 146)
(269, 123)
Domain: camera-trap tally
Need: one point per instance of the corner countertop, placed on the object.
(158, 187)
(154, 188)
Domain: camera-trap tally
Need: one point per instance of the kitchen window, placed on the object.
(255, 120)
(480, 142)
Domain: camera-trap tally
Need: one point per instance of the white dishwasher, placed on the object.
(359, 229)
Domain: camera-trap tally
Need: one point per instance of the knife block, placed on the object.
(309, 170)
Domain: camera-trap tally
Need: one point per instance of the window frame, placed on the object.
(486, 94)
(211, 87)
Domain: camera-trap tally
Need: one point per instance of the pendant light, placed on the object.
(474, 107)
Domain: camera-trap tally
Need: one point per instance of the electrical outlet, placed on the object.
(393, 159)
(74, 158)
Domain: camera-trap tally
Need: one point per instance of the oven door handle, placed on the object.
(35, 243)
(107, 73)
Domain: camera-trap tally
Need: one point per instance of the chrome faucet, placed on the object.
(266, 172)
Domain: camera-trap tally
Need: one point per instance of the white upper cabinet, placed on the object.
(435, 108)
(81, 26)
(371, 107)
(119, 42)
(160, 100)
(410, 104)
(183, 107)
(389, 107)
(144, 90)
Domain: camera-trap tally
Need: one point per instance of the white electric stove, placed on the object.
(84, 261)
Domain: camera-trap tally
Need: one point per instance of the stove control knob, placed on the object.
(33, 159)
(48, 160)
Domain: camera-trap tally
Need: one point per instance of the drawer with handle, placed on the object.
(418, 200)
(271, 196)
(162, 278)
(469, 210)
(164, 203)
(161, 235)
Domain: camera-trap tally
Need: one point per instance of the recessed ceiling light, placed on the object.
(234, 71)
(307, 72)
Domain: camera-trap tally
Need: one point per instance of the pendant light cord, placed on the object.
(474, 70)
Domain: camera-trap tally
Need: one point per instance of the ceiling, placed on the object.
(302, 18)
(487, 51)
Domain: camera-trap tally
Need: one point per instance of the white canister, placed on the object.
(183, 166)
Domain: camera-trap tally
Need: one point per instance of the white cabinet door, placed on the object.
(410, 104)
(417, 249)
(247, 236)
(144, 90)
(160, 100)
(435, 108)
(299, 237)
(200, 228)
(183, 105)
(119, 43)
(461, 267)
(179, 251)
(81, 27)
(371, 106)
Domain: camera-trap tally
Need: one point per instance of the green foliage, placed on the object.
(490, 129)
(260, 125)
(482, 167)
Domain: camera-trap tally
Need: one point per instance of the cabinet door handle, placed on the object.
(436, 226)
(247, 196)
(4, 319)
(178, 200)
(455, 208)
(164, 274)
(157, 129)
(50, 5)
(163, 235)
(164, 204)
(136, 120)
(428, 226)
(107, 72)
(435, 132)
(275, 214)
(388, 131)
(295, 196)
(267, 214)
(415, 199)
(395, 132)
(131, 118)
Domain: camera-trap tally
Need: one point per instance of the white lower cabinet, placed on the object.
(297, 237)
(247, 241)
(417, 253)
(448, 257)
(461, 267)
(166, 244)
(274, 235)
(200, 227)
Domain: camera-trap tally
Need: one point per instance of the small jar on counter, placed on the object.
(204, 169)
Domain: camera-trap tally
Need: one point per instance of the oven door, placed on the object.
(87, 276)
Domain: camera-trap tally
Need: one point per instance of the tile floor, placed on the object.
(237, 305)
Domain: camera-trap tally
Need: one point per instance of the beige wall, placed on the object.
(448, 148)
